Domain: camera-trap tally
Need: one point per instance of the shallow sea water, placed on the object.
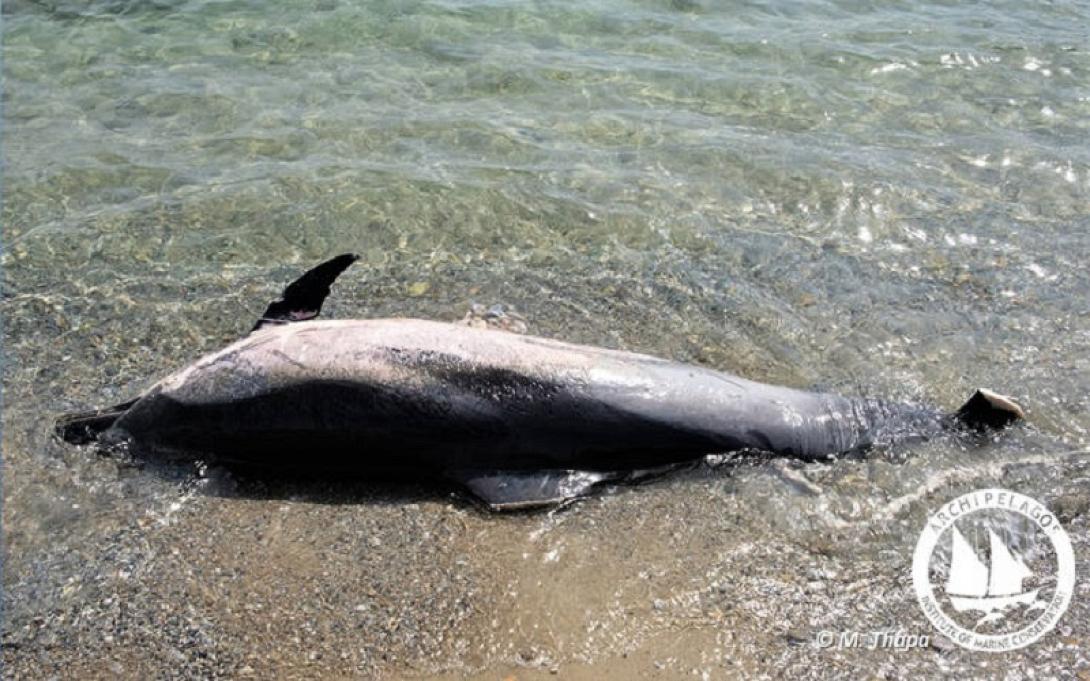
(877, 198)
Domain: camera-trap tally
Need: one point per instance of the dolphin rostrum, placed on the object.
(517, 420)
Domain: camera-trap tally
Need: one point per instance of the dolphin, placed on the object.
(517, 420)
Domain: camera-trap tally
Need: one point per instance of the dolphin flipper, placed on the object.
(514, 490)
(517, 490)
(303, 298)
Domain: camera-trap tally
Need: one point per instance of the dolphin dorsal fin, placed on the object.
(303, 298)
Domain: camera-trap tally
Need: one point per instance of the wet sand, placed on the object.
(877, 199)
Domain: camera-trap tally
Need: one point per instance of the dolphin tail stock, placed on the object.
(80, 428)
(303, 298)
(987, 410)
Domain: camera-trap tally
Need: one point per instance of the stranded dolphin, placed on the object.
(517, 420)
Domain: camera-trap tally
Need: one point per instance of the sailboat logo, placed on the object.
(1003, 588)
(973, 585)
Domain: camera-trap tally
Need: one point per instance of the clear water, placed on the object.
(880, 198)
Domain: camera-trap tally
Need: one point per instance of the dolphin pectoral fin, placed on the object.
(987, 410)
(303, 298)
(506, 490)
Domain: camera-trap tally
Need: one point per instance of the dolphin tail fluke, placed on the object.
(303, 298)
(82, 427)
(986, 410)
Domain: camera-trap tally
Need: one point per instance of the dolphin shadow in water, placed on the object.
(517, 421)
